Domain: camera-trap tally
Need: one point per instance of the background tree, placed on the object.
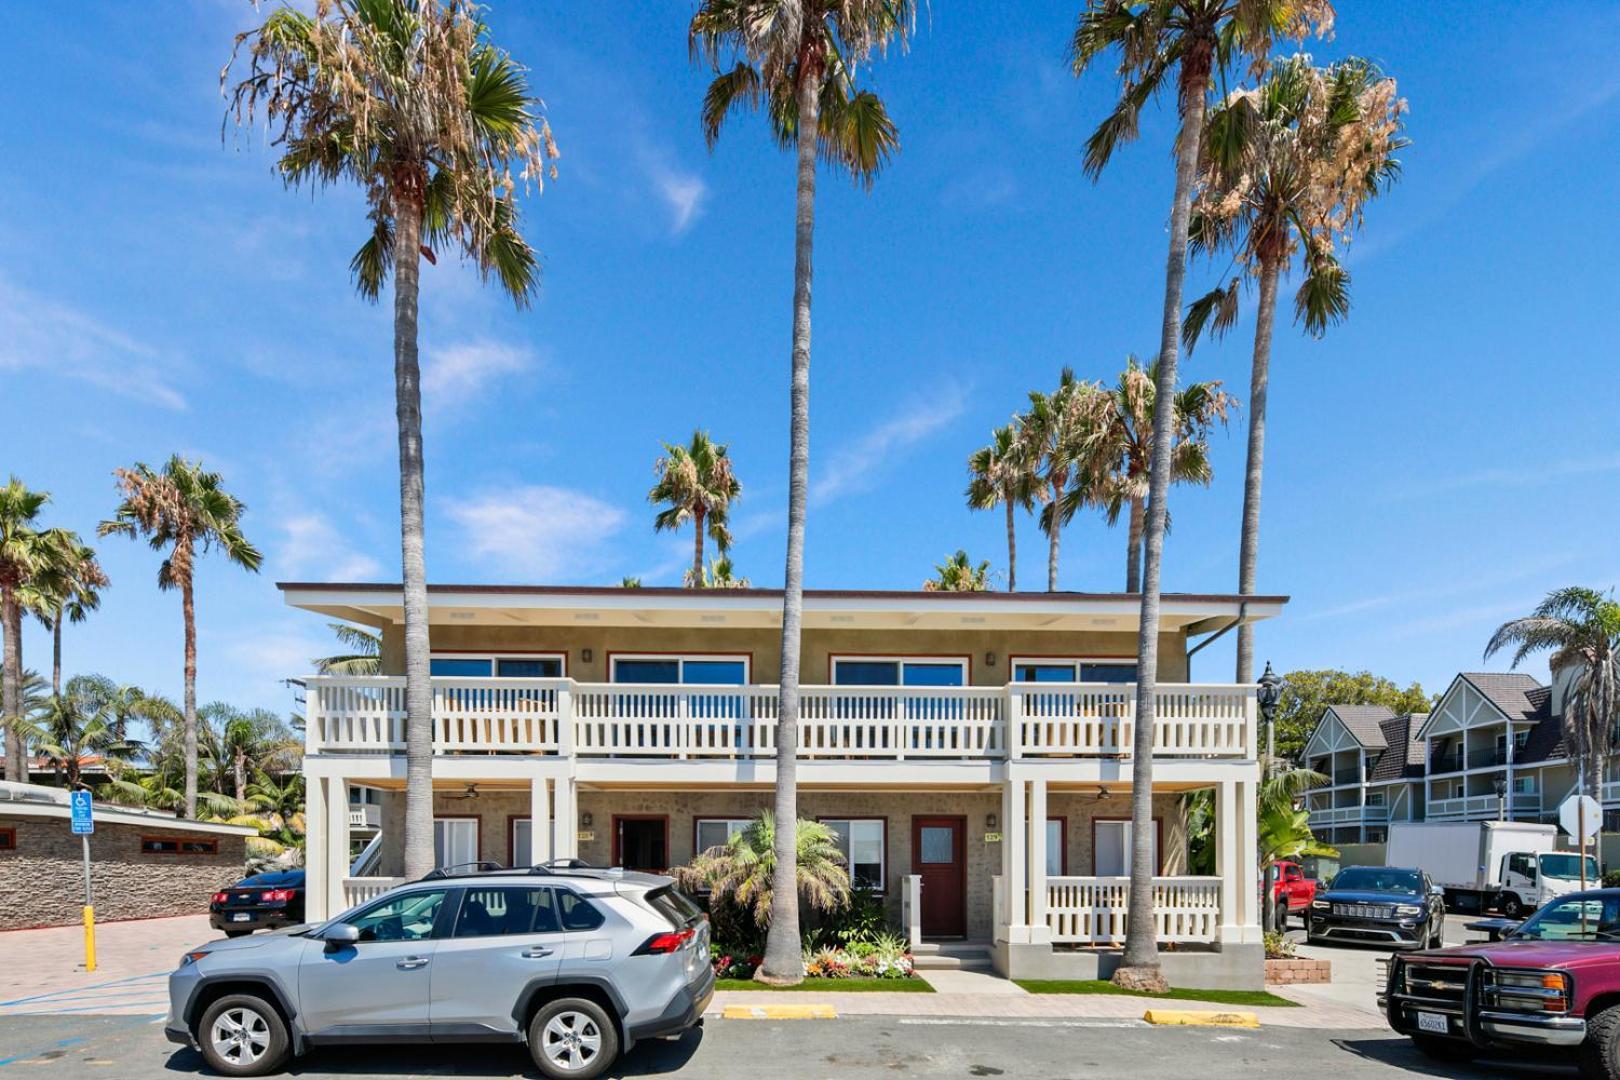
(699, 486)
(1157, 41)
(363, 658)
(719, 574)
(184, 511)
(796, 59)
(744, 869)
(1580, 629)
(246, 743)
(411, 101)
(1054, 435)
(88, 719)
(999, 475)
(1287, 168)
(29, 555)
(1284, 830)
(71, 591)
(1307, 694)
(958, 574)
(1123, 450)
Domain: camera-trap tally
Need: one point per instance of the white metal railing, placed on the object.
(366, 816)
(1483, 807)
(1093, 909)
(1338, 815)
(359, 714)
(357, 890)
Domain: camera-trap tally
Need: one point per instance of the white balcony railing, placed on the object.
(366, 714)
(1093, 909)
(1352, 815)
(366, 816)
(1483, 807)
(357, 890)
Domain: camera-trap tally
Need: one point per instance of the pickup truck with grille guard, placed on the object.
(1554, 981)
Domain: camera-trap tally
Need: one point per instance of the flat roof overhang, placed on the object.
(378, 605)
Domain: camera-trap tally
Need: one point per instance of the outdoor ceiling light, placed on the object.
(1102, 792)
(585, 655)
(585, 820)
(989, 659)
(990, 822)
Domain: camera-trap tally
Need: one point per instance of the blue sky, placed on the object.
(1433, 466)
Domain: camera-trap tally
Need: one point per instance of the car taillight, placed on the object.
(276, 896)
(220, 898)
(665, 943)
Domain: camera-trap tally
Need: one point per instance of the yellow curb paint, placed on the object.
(779, 1012)
(1201, 1018)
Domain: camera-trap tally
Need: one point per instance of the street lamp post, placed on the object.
(1500, 784)
(1270, 696)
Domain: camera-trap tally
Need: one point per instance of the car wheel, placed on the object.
(1511, 906)
(1599, 1056)
(572, 1039)
(243, 1035)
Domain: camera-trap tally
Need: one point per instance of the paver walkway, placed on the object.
(42, 971)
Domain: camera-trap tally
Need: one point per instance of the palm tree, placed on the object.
(744, 869)
(71, 592)
(363, 658)
(1124, 450)
(244, 743)
(1156, 39)
(184, 511)
(1284, 830)
(410, 100)
(699, 486)
(1052, 438)
(958, 574)
(81, 722)
(1288, 168)
(31, 556)
(999, 475)
(797, 60)
(1580, 627)
(719, 574)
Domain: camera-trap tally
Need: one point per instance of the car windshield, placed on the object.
(1574, 918)
(1376, 879)
(1563, 866)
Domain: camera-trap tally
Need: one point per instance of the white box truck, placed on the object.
(1515, 865)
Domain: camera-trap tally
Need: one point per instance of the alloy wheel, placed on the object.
(571, 1041)
(240, 1036)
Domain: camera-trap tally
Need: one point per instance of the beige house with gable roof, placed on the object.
(970, 750)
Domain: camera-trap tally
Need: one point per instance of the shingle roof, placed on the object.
(1510, 692)
(1547, 737)
(1393, 764)
(1364, 723)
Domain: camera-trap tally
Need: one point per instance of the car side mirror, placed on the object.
(340, 934)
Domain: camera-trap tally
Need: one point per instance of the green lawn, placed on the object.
(1178, 993)
(897, 986)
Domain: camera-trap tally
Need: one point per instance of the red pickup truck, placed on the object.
(1554, 981)
(1291, 892)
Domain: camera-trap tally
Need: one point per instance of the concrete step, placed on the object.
(950, 963)
(951, 956)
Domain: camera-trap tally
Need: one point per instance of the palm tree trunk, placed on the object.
(1249, 544)
(697, 551)
(1140, 965)
(1012, 548)
(784, 958)
(239, 769)
(188, 613)
(56, 656)
(1054, 532)
(11, 694)
(418, 840)
(1133, 549)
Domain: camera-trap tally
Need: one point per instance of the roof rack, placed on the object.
(455, 870)
(554, 868)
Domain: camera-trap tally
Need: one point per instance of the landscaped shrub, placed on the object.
(1279, 946)
(1611, 879)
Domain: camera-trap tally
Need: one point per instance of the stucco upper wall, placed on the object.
(763, 645)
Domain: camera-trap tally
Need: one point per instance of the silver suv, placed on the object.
(577, 962)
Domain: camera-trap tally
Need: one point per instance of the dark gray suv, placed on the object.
(577, 962)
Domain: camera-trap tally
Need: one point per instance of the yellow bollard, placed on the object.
(89, 937)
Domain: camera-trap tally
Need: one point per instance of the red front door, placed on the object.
(939, 857)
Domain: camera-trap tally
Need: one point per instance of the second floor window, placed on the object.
(717, 670)
(898, 671)
(1076, 670)
(484, 666)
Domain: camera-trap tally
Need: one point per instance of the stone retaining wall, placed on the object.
(1298, 970)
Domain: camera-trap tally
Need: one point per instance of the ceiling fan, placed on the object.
(470, 793)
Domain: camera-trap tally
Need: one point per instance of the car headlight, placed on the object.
(1534, 991)
(1320, 905)
(1408, 909)
(192, 957)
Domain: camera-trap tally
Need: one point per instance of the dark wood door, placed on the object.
(939, 857)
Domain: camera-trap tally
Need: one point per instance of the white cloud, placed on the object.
(458, 373)
(40, 334)
(858, 466)
(539, 532)
(313, 550)
(683, 193)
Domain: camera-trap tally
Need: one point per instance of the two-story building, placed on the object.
(1373, 761)
(972, 752)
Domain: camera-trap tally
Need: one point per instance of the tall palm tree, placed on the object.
(363, 658)
(184, 511)
(699, 485)
(1157, 41)
(999, 475)
(959, 574)
(1287, 169)
(30, 556)
(797, 60)
(1124, 450)
(1054, 436)
(245, 743)
(71, 592)
(1580, 627)
(412, 101)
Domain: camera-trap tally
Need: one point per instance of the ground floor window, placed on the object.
(899, 671)
(8, 839)
(1111, 847)
(711, 670)
(455, 841)
(1073, 669)
(520, 841)
(501, 666)
(864, 846)
(178, 845)
(716, 832)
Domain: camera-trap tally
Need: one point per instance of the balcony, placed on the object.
(1519, 804)
(365, 816)
(1352, 775)
(1348, 815)
(560, 717)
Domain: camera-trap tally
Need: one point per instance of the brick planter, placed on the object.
(1286, 972)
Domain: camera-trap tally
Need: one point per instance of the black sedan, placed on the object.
(263, 901)
(1382, 905)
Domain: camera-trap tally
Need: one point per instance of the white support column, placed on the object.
(1038, 928)
(1013, 864)
(540, 845)
(1361, 763)
(337, 844)
(315, 860)
(1226, 848)
(566, 826)
(1248, 859)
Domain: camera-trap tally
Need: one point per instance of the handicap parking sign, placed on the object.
(83, 822)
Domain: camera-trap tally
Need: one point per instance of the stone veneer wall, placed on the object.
(42, 880)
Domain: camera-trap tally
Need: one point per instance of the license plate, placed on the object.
(242, 916)
(1435, 1022)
